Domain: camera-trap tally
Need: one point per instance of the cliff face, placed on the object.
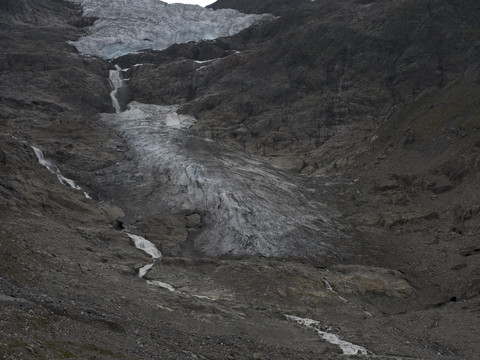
(371, 232)
(276, 7)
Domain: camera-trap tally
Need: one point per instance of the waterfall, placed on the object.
(54, 170)
(117, 82)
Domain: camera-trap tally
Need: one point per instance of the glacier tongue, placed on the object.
(250, 208)
(128, 26)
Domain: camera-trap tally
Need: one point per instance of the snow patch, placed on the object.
(204, 61)
(346, 347)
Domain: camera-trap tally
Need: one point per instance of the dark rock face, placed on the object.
(378, 99)
(277, 7)
(35, 13)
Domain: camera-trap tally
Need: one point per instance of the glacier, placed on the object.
(249, 207)
(125, 26)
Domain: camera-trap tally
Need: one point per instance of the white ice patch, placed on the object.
(346, 347)
(146, 246)
(204, 61)
(144, 270)
(128, 26)
(54, 170)
(177, 121)
(161, 284)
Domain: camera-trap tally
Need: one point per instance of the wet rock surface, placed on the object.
(396, 271)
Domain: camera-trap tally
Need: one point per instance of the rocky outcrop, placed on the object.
(276, 7)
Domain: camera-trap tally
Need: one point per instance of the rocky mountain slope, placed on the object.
(311, 183)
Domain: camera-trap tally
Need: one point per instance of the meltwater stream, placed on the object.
(117, 82)
(124, 26)
(54, 170)
(346, 347)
